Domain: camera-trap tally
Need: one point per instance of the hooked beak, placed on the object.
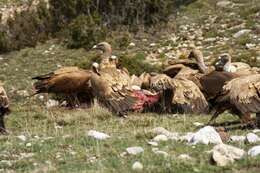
(94, 47)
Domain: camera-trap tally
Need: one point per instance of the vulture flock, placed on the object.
(186, 86)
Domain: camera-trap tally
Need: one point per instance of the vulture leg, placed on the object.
(2, 125)
(258, 120)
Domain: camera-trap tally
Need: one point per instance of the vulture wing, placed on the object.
(244, 93)
(4, 102)
(186, 96)
(111, 94)
(64, 80)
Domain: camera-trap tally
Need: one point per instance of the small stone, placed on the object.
(224, 4)
(152, 143)
(237, 138)
(28, 145)
(97, 135)
(22, 137)
(223, 154)
(52, 103)
(254, 151)
(186, 137)
(256, 131)
(159, 138)
(252, 138)
(162, 153)
(241, 32)
(132, 44)
(137, 166)
(184, 157)
(197, 124)
(152, 44)
(134, 150)
(206, 135)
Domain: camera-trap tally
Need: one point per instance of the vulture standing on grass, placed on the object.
(241, 95)
(4, 108)
(72, 82)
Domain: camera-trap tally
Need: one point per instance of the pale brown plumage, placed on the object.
(4, 108)
(69, 81)
(179, 94)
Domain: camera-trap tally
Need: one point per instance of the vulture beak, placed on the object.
(95, 47)
(95, 67)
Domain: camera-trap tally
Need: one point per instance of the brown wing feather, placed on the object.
(244, 93)
(111, 94)
(64, 80)
(4, 101)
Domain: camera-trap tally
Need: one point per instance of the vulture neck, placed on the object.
(202, 67)
(228, 67)
(105, 57)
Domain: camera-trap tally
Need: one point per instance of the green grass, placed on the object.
(58, 135)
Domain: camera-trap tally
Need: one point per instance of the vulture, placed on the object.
(240, 95)
(4, 108)
(179, 95)
(113, 87)
(72, 82)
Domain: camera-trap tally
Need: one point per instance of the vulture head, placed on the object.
(104, 47)
(224, 63)
(198, 56)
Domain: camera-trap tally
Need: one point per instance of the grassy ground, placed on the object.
(56, 138)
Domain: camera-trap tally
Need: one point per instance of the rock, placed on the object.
(206, 135)
(186, 137)
(237, 138)
(97, 135)
(22, 137)
(159, 138)
(224, 4)
(162, 131)
(256, 131)
(252, 138)
(254, 151)
(52, 103)
(152, 44)
(152, 143)
(28, 145)
(184, 157)
(134, 150)
(132, 44)
(137, 166)
(162, 153)
(223, 154)
(197, 124)
(241, 32)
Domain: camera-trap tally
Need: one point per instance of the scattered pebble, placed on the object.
(252, 138)
(223, 154)
(241, 32)
(134, 150)
(206, 135)
(160, 138)
(52, 103)
(254, 151)
(22, 137)
(159, 152)
(137, 166)
(184, 157)
(97, 135)
(237, 138)
(152, 143)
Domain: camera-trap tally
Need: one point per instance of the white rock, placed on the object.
(197, 124)
(252, 138)
(152, 143)
(184, 157)
(28, 145)
(134, 150)
(254, 151)
(163, 131)
(206, 135)
(241, 32)
(132, 44)
(159, 138)
(153, 44)
(187, 137)
(162, 153)
(52, 103)
(137, 166)
(97, 135)
(22, 137)
(237, 138)
(224, 4)
(224, 154)
(256, 131)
